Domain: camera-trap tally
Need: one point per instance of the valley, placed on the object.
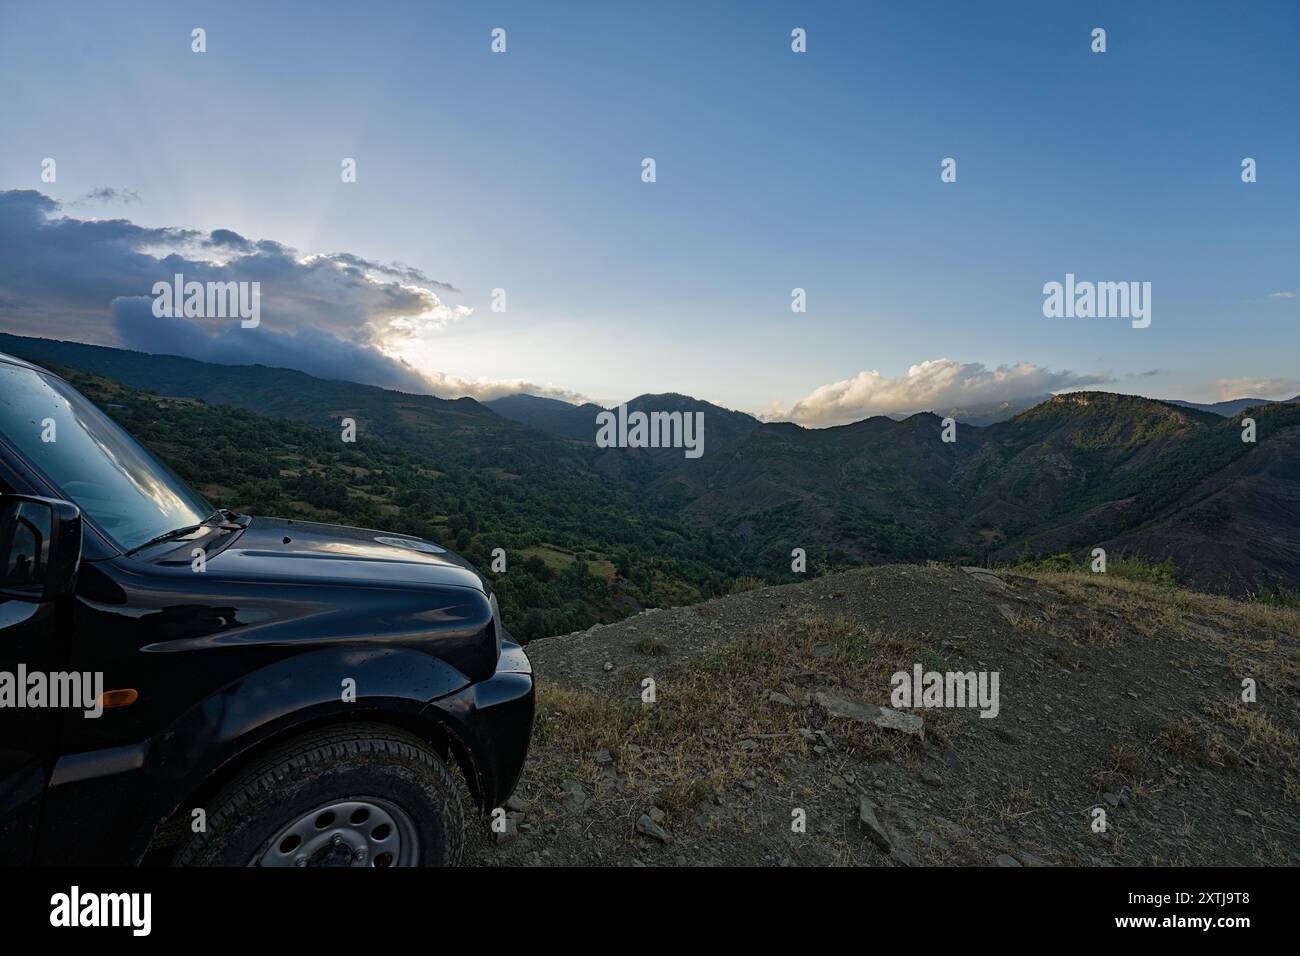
(594, 534)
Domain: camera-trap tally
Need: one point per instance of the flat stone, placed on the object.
(903, 857)
(651, 829)
(870, 826)
(881, 717)
(985, 576)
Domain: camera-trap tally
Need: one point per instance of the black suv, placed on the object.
(183, 684)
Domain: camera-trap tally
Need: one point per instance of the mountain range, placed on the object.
(1078, 471)
(1233, 406)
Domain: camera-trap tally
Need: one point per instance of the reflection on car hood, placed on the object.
(278, 547)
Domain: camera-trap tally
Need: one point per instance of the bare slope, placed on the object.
(1113, 695)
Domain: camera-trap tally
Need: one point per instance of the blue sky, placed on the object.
(775, 170)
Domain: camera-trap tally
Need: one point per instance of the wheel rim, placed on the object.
(358, 831)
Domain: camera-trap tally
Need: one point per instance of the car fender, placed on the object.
(242, 718)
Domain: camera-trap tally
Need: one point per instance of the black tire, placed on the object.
(352, 761)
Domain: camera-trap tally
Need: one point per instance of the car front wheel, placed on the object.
(349, 796)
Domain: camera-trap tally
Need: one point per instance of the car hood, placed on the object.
(270, 548)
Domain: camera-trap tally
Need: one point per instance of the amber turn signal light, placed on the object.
(124, 697)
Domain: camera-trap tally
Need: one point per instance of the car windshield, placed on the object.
(128, 494)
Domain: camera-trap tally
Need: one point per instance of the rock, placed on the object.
(1006, 612)
(903, 857)
(657, 815)
(512, 821)
(749, 784)
(609, 666)
(648, 827)
(1111, 799)
(881, 717)
(870, 826)
(1244, 814)
(575, 799)
(1028, 859)
(930, 778)
(1006, 859)
(823, 650)
(950, 827)
(777, 697)
(603, 756)
(517, 804)
(748, 745)
(985, 576)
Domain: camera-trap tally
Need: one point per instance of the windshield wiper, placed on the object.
(181, 532)
(168, 536)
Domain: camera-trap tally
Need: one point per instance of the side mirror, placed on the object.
(40, 547)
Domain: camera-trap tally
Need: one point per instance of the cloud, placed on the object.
(337, 315)
(1274, 388)
(1282, 295)
(109, 194)
(305, 348)
(937, 384)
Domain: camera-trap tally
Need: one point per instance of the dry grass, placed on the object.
(1197, 741)
(1184, 652)
(651, 646)
(1128, 766)
(1227, 736)
(685, 747)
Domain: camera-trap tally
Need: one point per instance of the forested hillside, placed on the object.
(578, 549)
(593, 534)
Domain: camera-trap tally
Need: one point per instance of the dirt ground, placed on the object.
(1119, 703)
